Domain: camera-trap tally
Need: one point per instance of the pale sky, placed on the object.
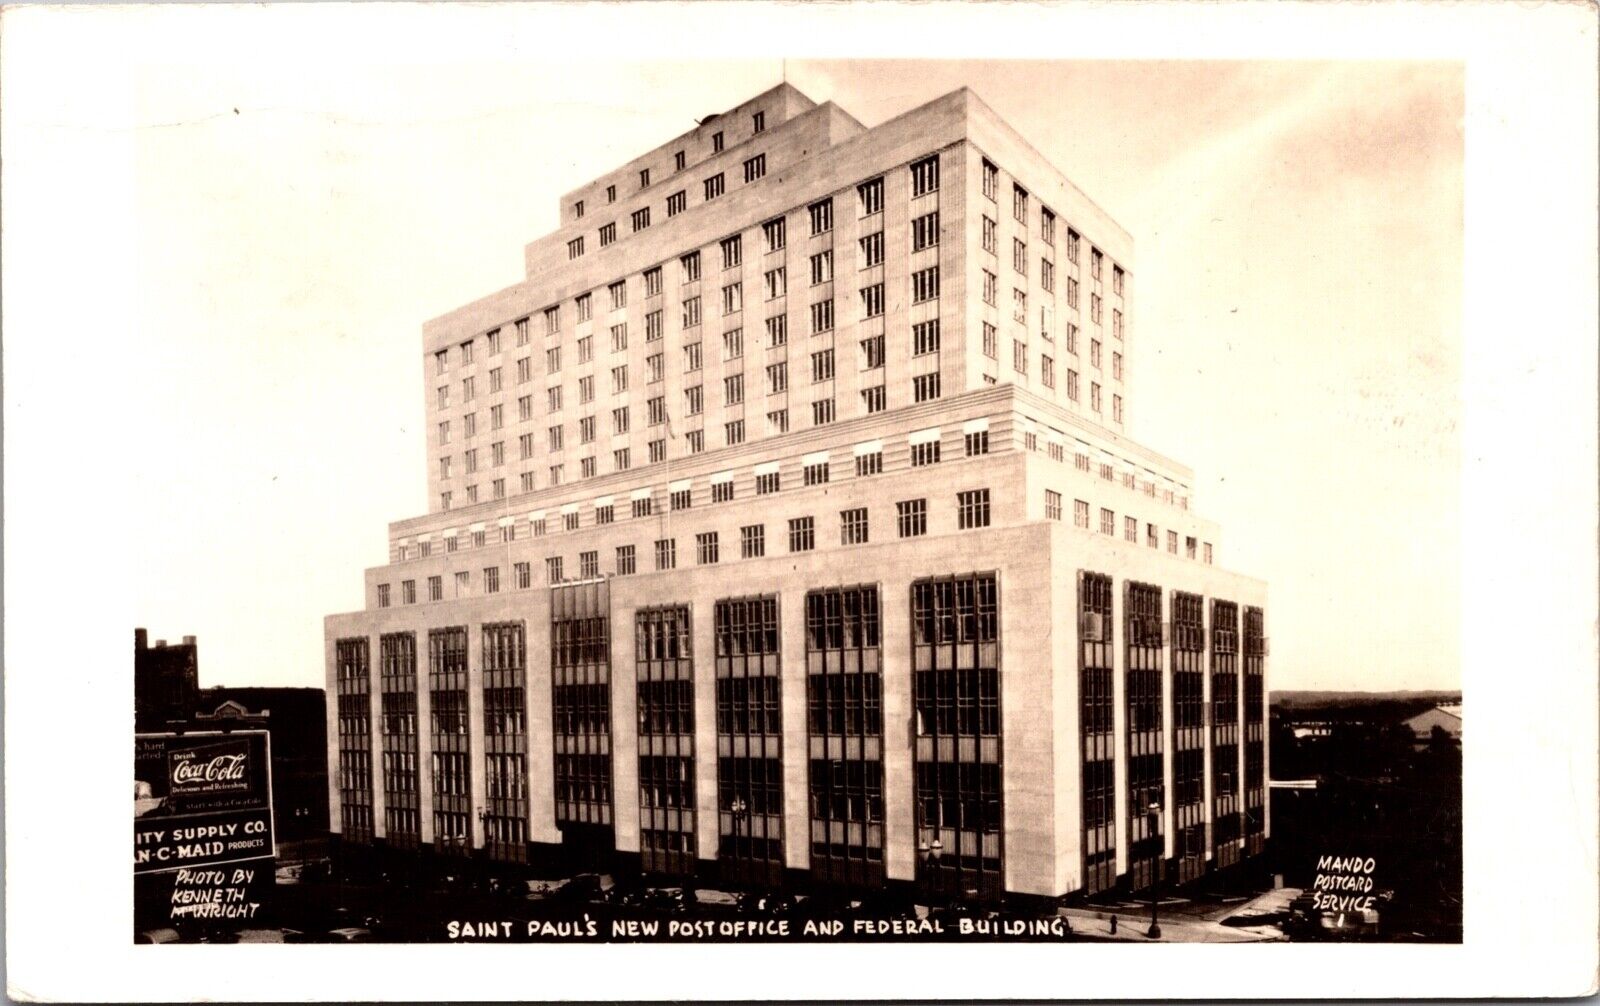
(290, 226)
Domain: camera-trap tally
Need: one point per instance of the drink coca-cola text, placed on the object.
(222, 768)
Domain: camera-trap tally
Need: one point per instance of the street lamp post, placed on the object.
(1154, 932)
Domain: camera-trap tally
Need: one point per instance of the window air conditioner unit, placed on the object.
(1092, 627)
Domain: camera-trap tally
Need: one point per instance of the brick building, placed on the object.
(783, 528)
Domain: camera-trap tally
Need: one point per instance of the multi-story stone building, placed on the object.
(783, 526)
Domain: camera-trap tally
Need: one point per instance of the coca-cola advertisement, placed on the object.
(204, 849)
(215, 768)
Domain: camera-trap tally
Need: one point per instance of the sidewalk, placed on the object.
(1134, 921)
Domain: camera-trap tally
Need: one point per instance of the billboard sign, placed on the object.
(203, 847)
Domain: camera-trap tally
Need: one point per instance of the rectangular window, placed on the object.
(991, 181)
(1116, 408)
(753, 541)
(641, 219)
(1108, 522)
(778, 330)
(977, 442)
(776, 282)
(1080, 513)
(1019, 305)
(822, 366)
(767, 483)
(408, 591)
(1019, 256)
(1094, 396)
(816, 474)
(722, 492)
(586, 349)
(523, 574)
(822, 317)
(693, 399)
(821, 216)
(822, 412)
(733, 390)
(1130, 529)
(714, 186)
(588, 565)
(733, 433)
(1047, 371)
(436, 588)
(822, 268)
(754, 168)
(872, 301)
(853, 526)
(705, 548)
(677, 203)
(875, 399)
(777, 378)
(925, 453)
(608, 234)
(691, 312)
(1019, 203)
(1094, 308)
(871, 196)
(872, 352)
(1019, 357)
(802, 534)
(691, 266)
(626, 560)
(925, 338)
(991, 240)
(925, 231)
(1052, 505)
(925, 387)
(666, 553)
(972, 509)
(869, 464)
(383, 593)
(732, 298)
(911, 518)
(716, 142)
(991, 341)
(575, 248)
(1047, 226)
(872, 250)
(778, 422)
(1047, 275)
(1072, 385)
(1072, 297)
(732, 252)
(991, 288)
(924, 284)
(491, 579)
(775, 233)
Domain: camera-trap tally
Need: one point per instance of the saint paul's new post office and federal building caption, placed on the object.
(783, 531)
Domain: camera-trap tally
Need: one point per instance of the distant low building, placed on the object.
(296, 720)
(1446, 717)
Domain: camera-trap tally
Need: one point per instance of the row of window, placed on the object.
(925, 449)
(1130, 527)
(924, 179)
(680, 161)
(973, 510)
(1047, 225)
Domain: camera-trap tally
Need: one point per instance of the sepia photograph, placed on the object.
(744, 500)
